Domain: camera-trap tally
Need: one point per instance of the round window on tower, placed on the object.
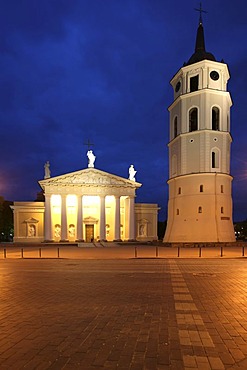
(214, 75)
(191, 140)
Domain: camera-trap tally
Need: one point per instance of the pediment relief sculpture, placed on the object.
(89, 177)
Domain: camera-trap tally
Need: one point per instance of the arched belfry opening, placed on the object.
(193, 119)
(215, 118)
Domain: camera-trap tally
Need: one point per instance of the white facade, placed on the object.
(200, 202)
(83, 206)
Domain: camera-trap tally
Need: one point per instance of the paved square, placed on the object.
(123, 314)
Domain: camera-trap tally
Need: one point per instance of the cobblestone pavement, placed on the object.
(123, 314)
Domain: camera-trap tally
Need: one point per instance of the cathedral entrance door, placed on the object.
(89, 233)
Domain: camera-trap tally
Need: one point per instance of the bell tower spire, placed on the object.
(200, 52)
(200, 43)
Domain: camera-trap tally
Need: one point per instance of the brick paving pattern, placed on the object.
(123, 314)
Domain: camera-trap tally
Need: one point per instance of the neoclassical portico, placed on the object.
(89, 204)
(85, 205)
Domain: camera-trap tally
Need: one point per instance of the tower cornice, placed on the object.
(199, 132)
(200, 64)
(201, 92)
(200, 174)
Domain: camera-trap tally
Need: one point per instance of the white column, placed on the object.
(79, 228)
(48, 234)
(102, 218)
(131, 217)
(117, 218)
(64, 226)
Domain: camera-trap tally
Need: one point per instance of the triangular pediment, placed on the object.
(89, 177)
(90, 220)
(143, 220)
(31, 220)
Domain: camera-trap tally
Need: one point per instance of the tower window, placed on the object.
(200, 209)
(179, 190)
(194, 81)
(175, 127)
(215, 119)
(193, 119)
(222, 210)
(177, 211)
(215, 158)
(201, 188)
(222, 188)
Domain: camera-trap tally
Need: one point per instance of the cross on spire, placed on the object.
(201, 11)
(88, 144)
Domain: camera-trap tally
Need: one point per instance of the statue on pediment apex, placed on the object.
(47, 170)
(91, 158)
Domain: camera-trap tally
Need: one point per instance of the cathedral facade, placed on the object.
(86, 205)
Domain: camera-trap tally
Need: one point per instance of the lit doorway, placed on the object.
(89, 233)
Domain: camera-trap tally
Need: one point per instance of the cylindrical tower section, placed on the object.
(200, 209)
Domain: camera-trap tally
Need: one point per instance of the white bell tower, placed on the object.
(200, 201)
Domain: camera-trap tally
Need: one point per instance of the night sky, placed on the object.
(73, 70)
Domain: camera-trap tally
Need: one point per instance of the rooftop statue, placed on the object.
(47, 170)
(91, 158)
(132, 173)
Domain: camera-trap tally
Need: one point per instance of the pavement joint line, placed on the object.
(193, 338)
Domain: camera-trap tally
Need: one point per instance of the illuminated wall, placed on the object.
(28, 221)
(81, 206)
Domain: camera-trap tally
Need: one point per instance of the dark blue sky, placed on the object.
(73, 70)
